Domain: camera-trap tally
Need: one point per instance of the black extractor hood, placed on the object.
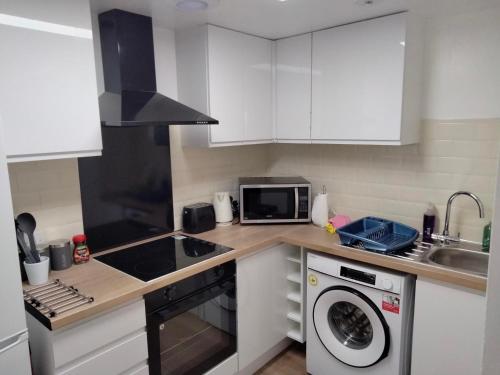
(130, 97)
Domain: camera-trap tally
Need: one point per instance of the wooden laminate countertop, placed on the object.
(111, 287)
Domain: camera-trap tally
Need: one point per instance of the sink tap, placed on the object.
(446, 231)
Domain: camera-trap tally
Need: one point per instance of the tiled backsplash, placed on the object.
(397, 182)
(198, 173)
(390, 181)
(50, 190)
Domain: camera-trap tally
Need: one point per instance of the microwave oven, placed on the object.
(265, 200)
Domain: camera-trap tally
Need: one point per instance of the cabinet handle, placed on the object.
(296, 216)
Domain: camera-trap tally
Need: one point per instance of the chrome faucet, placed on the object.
(446, 230)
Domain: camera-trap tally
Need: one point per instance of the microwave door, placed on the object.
(268, 204)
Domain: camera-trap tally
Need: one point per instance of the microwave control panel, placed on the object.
(303, 202)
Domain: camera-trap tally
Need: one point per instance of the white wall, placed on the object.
(462, 54)
(491, 357)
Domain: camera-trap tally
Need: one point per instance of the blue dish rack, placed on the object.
(376, 234)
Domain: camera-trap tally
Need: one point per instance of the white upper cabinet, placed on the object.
(227, 75)
(365, 82)
(293, 89)
(48, 95)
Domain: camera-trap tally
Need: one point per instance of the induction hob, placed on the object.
(157, 258)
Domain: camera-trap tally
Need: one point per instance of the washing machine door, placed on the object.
(351, 327)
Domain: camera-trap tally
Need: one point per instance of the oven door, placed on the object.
(194, 334)
(274, 204)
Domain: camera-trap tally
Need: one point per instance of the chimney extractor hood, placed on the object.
(130, 97)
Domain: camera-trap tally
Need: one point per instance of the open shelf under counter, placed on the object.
(296, 294)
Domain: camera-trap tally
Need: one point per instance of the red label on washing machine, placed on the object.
(390, 303)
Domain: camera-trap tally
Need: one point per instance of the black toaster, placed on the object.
(198, 218)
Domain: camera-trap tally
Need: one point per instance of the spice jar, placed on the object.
(81, 252)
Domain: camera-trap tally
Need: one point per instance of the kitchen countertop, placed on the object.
(111, 287)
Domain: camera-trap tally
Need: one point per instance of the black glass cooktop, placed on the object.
(157, 258)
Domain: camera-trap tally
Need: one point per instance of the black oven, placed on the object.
(265, 200)
(192, 324)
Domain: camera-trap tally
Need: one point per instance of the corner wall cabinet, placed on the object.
(48, 101)
(293, 89)
(227, 75)
(354, 84)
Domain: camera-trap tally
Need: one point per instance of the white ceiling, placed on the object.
(274, 19)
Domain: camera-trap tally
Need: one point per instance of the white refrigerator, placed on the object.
(14, 352)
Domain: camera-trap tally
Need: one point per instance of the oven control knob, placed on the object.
(170, 293)
(387, 284)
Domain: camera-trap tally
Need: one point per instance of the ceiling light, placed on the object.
(366, 3)
(191, 5)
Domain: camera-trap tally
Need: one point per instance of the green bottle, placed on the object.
(486, 237)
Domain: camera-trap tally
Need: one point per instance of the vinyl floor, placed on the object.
(291, 361)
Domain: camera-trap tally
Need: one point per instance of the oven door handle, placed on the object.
(296, 214)
(189, 302)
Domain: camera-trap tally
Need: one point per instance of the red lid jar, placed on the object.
(81, 252)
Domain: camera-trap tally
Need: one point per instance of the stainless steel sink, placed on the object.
(459, 259)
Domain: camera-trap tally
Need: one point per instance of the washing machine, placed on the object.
(359, 318)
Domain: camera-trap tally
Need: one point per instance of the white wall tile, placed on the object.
(397, 182)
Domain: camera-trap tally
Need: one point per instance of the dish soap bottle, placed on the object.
(429, 223)
(486, 237)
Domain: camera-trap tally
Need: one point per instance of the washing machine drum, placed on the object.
(351, 327)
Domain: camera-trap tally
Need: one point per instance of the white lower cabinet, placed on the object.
(448, 329)
(262, 306)
(111, 343)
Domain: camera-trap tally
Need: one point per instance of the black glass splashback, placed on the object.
(127, 192)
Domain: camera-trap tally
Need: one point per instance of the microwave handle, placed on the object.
(296, 215)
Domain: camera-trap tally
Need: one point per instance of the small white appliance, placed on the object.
(222, 207)
(359, 318)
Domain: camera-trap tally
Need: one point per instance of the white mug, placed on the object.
(222, 207)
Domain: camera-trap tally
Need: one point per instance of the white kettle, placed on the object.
(222, 207)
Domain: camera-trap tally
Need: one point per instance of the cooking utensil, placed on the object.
(27, 224)
(22, 245)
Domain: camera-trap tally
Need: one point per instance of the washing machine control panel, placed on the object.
(387, 284)
(372, 276)
(353, 274)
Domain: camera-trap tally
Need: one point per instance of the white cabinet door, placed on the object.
(357, 81)
(48, 99)
(293, 88)
(448, 329)
(262, 303)
(240, 86)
